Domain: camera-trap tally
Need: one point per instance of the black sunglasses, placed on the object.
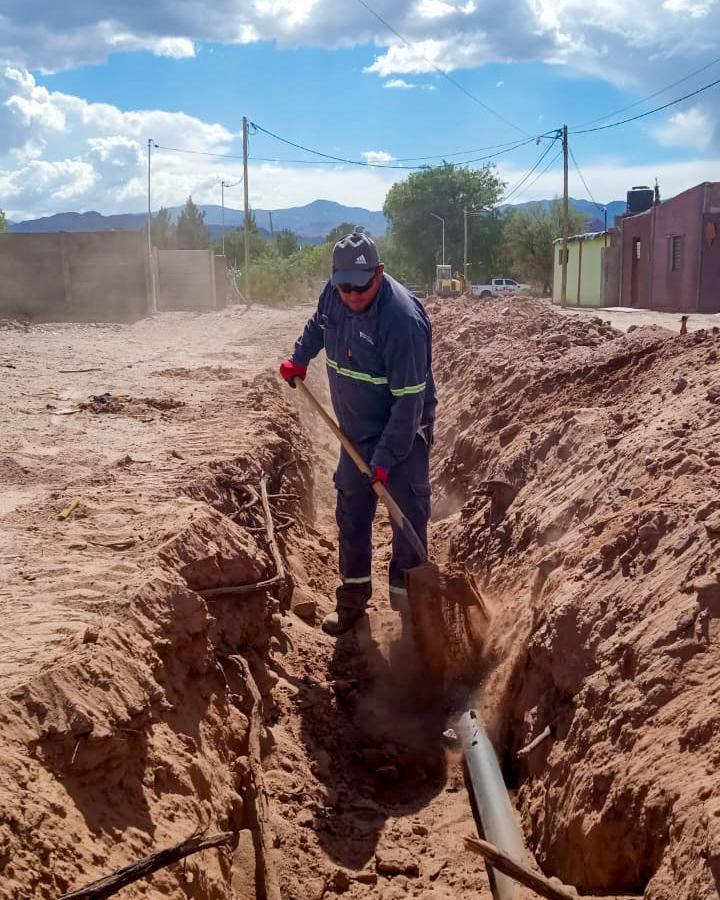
(347, 288)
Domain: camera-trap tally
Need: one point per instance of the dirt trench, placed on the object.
(576, 471)
(583, 478)
(157, 714)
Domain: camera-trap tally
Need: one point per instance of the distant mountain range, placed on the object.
(592, 211)
(311, 223)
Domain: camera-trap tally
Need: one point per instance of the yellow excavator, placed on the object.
(445, 284)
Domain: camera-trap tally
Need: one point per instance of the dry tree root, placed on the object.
(258, 793)
(279, 576)
(121, 878)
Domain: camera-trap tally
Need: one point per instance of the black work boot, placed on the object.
(351, 600)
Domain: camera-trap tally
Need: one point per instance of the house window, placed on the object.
(675, 254)
(636, 248)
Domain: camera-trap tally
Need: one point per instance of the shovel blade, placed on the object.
(450, 620)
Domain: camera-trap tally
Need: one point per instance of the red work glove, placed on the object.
(290, 371)
(381, 475)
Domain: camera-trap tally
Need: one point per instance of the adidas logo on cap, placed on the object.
(361, 261)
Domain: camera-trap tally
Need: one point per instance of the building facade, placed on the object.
(584, 270)
(670, 254)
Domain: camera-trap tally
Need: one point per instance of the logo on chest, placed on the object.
(366, 337)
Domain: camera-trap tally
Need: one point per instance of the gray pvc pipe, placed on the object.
(491, 796)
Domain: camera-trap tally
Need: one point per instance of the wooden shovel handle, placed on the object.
(379, 488)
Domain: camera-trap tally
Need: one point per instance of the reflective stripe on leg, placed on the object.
(366, 580)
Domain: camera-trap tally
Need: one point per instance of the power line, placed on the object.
(527, 175)
(544, 171)
(337, 159)
(657, 93)
(650, 112)
(440, 71)
(582, 178)
(509, 144)
(356, 162)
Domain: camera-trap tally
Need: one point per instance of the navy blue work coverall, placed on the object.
(379, 365)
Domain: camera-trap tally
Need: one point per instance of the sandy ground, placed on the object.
(57, 577)
(134, 712)
(105, 647)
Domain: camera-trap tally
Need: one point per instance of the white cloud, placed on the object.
(499, 84)
(696, 9)
(377, 157)
(175, 48)
(59, 153)
(601, 39)
(401, 84)
(692, 128)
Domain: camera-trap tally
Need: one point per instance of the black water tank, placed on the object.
(639, 199)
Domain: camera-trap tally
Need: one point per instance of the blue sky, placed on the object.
(80, 94)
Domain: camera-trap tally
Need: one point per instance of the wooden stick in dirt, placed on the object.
(503, 863)
(544, 735)
(121, 878)
(279, 576)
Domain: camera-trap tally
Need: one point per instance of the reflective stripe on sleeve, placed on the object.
(365, 580)
(413, 389)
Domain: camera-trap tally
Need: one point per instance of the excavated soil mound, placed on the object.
(130, 406)
(581, 468)
(146, 727)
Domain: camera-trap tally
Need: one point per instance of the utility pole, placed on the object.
(222, 203)
(465, 259)
(153, 298)
(247, 209)
(272, 233)
(605, 223)
(566, 216)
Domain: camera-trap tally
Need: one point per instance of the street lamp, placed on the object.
(223, 185)
(440, 219)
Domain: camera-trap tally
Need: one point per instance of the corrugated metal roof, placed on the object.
(588, 236)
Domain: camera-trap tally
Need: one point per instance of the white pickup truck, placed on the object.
(497, 287)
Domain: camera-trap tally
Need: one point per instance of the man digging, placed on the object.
(378, 347)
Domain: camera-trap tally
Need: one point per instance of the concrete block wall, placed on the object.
(75, 276)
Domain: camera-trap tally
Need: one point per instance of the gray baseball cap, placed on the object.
(354, 260)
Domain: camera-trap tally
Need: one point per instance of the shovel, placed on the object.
(448, 613)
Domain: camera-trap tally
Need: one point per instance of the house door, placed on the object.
(710, 265)
(635, 273)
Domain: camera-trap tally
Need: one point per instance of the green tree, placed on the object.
(528, 237)
(162, 230)
(191, 233)
(3, 222)
(339, 231)
(235, 245)
(444, 191)
(286, 242)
